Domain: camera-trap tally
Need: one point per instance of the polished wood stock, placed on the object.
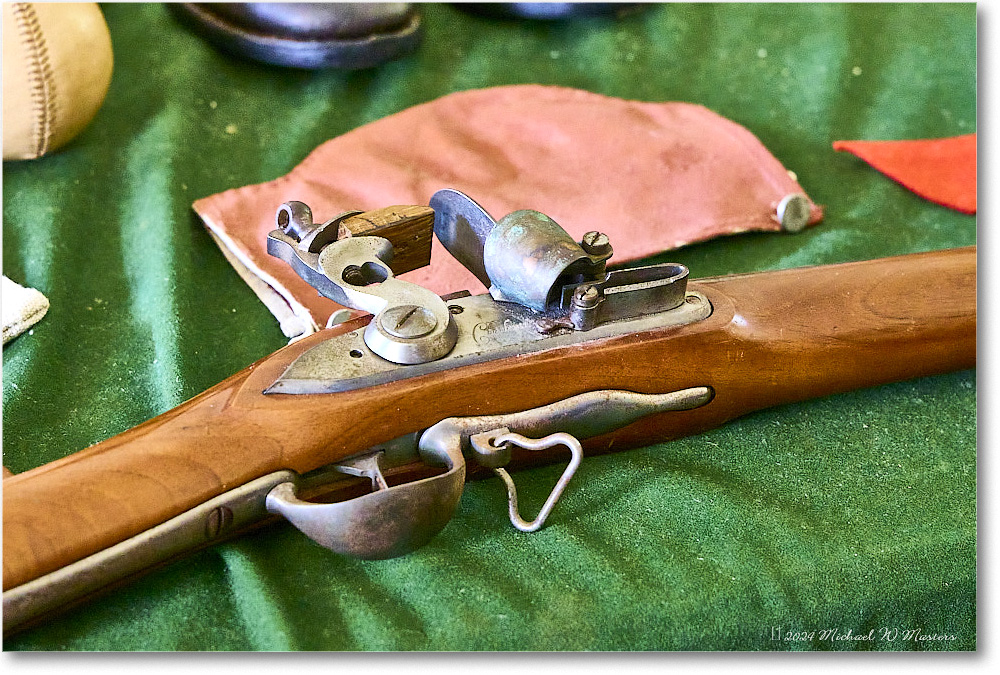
(772, 338)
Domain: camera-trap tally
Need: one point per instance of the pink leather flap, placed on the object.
(653, 176)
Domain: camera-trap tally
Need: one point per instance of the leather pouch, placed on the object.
(653, 176)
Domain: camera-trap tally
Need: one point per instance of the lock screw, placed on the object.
(595, 243)
(219, 520)
(586, 297)
(408, 321)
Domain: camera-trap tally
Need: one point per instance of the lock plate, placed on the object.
(487, 331)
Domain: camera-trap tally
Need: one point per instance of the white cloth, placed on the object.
(21, 307)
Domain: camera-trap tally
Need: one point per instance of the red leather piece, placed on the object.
(942, 170)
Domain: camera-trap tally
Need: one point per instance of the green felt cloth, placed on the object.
(852, 513)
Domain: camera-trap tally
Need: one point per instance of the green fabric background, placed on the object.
(853, 512)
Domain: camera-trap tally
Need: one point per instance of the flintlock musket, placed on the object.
(561, 353)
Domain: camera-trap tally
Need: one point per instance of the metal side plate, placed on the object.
(487, 331)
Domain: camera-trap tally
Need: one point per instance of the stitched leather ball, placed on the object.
(56, 70)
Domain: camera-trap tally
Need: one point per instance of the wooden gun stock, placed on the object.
(772, 338)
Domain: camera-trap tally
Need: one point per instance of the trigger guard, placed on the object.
(383, 524)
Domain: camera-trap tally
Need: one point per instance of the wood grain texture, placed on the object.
(772, 338)
(409, 228)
